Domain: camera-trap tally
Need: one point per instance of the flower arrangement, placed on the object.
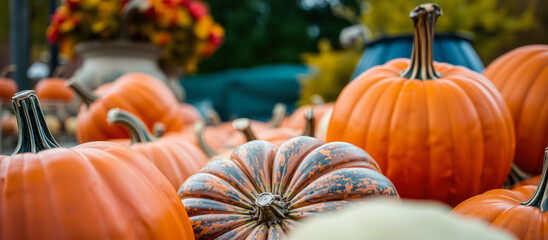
(183, 29)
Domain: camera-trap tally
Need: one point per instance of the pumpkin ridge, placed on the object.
(211, 226)
(534, 67)
(240, 155)
(385, 150)
(233, 180)
(203, 178)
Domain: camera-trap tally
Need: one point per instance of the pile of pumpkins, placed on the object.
(149, 167)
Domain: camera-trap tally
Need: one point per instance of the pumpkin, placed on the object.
(9, 123)
(295, 121)
(190, 113)
(145, 96)
(54, 89)
(521, 76)
(437, 131)
(522, 211)
(263, 190)
(177, 160)
(8, 87)
(95, 190)
(534, 180)
(393, 220)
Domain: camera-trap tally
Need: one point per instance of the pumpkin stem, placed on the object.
(199, 128)
(214, 117)
(278, 114)
(158, 130)
(310, 122)
(84, 92)
(7, 70)
(317, 99)
(34, 133)
(422, 62)
(269, 209)
(516, 175)
(244, 125)
(540, 198)
(126, 11)
(138, 132)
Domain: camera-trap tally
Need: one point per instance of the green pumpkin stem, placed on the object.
(244, 125)
(278, 114)
(34, 134)
(516, 175)
(158, 130)
(84, 92)
(138, 132)
(199, 128)
(7, 70)
(540, 198)
(422, 61)
(310, 122)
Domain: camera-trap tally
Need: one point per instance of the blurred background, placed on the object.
(294, 48)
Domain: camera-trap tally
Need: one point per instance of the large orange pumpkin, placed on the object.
(8, 87)
(437, 131)
(521, 75)
(262, 191)
(522, 211)
(95, 190)
(139, 93)
(177, 160)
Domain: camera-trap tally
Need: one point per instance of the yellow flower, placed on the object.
(99, 26)
(183, 18)
(89, 4)
(203, 27)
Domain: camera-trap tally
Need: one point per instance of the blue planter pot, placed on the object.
(451, 48)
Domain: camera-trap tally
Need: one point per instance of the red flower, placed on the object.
(215, 39)
(53, 34)
(197, 9)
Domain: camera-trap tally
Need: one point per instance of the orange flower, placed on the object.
(203, 27)
(161, 38)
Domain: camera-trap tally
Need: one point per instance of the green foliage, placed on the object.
(332, 71)
(260, 32)
(490, 21)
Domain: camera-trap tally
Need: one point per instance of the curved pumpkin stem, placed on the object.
(84, 92)
(158, 130)
(244, 125)
(214, 118)
(7, 70)
(422, 61)
(540, 198)
(516, 175)
(317, 99)
(138, 132)
(34, 134)
(310, 126)
(199, 128)
(278, 114)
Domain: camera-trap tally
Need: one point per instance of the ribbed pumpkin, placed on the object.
(521, 75)
(139, 93)
(522, 211)
(177, 160)
(189, 113)
(437, 131)
(8, 87)
(262, 191)
(95, 190)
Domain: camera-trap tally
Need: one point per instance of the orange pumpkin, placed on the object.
(8, 87)
(189, 113)
(295, 120)
(437, 131)
(139, 93)
(521, 75)
(262, 191)
(54, 89)
(522, 211)
(177, 160)
(95, 190)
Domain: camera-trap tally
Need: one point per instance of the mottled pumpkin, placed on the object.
(177, 160)
(263, 190)
(438, 131)
(145, 96)
(521, 76)
(522, 211)
(96, 190)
